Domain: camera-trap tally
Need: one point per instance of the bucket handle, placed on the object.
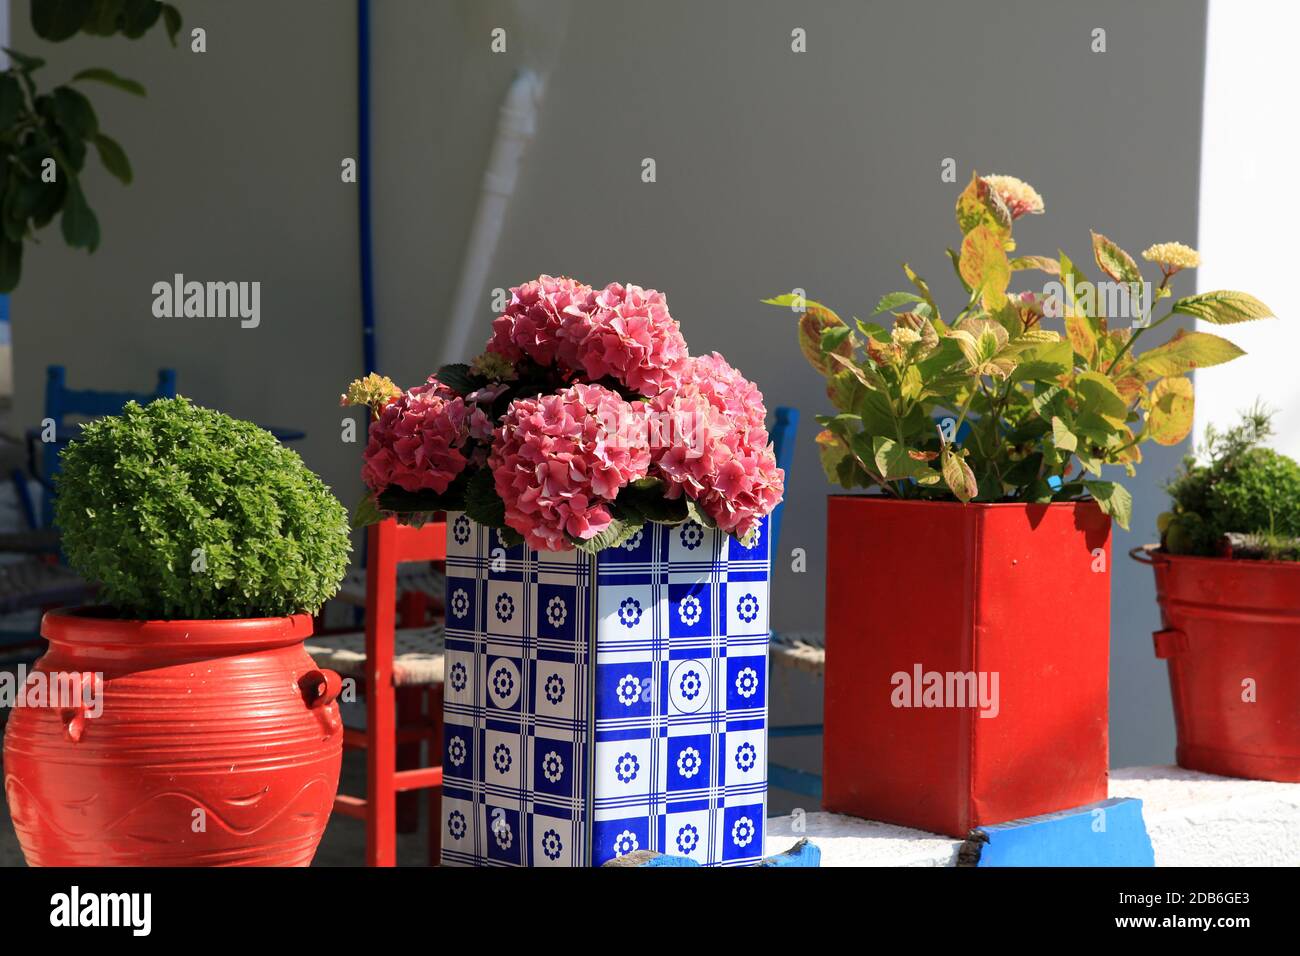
(320, 687)
(1169, 642)
(1144, 554)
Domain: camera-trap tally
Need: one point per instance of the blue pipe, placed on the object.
(368, 340)
(368, 343)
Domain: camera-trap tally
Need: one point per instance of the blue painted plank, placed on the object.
(795, 730)
(1108, 833)
(803, 854)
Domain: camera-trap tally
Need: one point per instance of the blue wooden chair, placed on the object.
(62, 402)
(784, 428)
(40, 580)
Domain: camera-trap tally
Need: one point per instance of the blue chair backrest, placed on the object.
(784, 428)
(61, 402)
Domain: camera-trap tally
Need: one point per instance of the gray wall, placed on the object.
(775, 170)
(236, 154)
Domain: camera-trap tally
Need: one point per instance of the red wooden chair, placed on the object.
(390, 729)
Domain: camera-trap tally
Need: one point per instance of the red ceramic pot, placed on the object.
(967, 652)
(1232, 640)
(173, 743)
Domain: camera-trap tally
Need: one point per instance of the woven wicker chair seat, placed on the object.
(417, 654)
(802, 650)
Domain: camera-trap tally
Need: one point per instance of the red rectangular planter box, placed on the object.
(1013, 600)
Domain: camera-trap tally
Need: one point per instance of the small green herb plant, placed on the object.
(993, 404)
(1238, 497)
(182, 512)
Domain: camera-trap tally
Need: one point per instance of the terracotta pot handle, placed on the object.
(320, 687)
(74, 718)
(74, 723)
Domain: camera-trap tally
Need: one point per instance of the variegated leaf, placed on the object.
(1169, 419)
(1114, 261)
(1223, 307)
(1184, 352)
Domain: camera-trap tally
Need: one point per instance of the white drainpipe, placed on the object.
(516, 126)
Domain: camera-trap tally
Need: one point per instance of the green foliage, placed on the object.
(643, 500)
(1223, 307)
(57, 20)
(183, 512)
(459, 377)
(59, 126)
(1266, 546)
(616, 533)
(1047, 408)
(1237, 489)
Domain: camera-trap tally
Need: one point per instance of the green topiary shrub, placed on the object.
(1240, 489)
(183, 512)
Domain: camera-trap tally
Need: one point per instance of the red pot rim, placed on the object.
(92, 626)
(1153, 554)
(917, 502)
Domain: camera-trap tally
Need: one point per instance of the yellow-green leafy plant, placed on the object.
(1019, 396)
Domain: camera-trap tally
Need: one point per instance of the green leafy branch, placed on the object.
(45, 136)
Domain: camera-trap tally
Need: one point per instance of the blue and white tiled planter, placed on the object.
(599, 705)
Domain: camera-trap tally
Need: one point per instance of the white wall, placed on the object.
(775, 170)
(821, 171)
(1250, 207)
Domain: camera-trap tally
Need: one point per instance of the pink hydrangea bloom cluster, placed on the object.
(631, 338)
(621, 332)
(416, 442)
(531, 324)
(559, 460)
(731, 392)
(719, 453)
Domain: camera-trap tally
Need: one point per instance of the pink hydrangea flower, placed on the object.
(621, 332)
(537, 311)
(436, 388)
(629, 336)
(730, 391)
(717, 451)
(480, 426)
(558, 460)
(416, 442)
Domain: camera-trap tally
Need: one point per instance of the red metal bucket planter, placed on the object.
(1231, 636)
(1005, 599)
(205, 743)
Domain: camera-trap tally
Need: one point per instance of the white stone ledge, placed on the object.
(1193, 819)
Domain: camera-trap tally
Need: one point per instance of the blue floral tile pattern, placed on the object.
(599, 706)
